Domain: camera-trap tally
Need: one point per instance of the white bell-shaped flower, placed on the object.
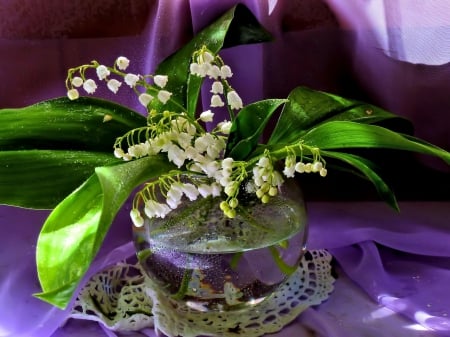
(190, 191)
(213, 72)
(176, 155)
(102, 72)
(77, 81)
(164, 96)
(225, 127)
(207, 116)
(131, 79)
(89, 86)
(122, 63)
(114, 85)
(225, 72)
(217, 87)
(216, 101)
(234, 101)
(160, 80)
(145, 99)
(73, 94)
(137, 218)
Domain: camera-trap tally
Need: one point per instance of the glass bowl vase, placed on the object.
(201, 259)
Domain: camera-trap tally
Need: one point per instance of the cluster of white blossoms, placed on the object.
(193, 151)
(77, 78)
(202, 170)
(267, 180)
(291, 166)
(208, 65)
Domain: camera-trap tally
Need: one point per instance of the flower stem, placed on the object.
(283, 266)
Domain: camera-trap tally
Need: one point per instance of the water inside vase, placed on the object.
(209, 262)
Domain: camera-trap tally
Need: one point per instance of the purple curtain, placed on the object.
(393, 269)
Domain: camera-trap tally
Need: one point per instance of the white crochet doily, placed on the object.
(121, 299)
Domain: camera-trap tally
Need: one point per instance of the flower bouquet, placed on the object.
(84, 157)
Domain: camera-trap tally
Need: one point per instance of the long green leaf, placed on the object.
(84, 124)
(237, 26)
(49, 148)
(342, 134)
(74, 231)
(365, 166)
(308, 108)
(248, 127)
(40, 179)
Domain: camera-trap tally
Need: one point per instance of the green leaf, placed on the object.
(237, 26)
(308, 108)
(40, 179)
(194, 85)
(248, 127)
(341, 135)
(74, 231)
(63, 124)
(365, 166)
(49, 148)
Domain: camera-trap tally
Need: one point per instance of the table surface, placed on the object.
(392, 270)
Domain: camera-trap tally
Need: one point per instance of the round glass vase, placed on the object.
(206, 261)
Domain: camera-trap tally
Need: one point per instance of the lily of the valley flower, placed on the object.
(89, 86)
(197, 69)
(140, 150)
(176, 155)
(77, 81)
(102, 72)
(317, 166)
(122, 62)
(155, 209)
(164, 96)
(206, 116)
(160, 80)
(206, 57)
(225, 72)
(206, 190)
(114, 85)
(217, 87)
(131, 79)
(190, 191)
(174, 195)
(216, 101)
(234, 101)
(137, 218)
(213, 72)
(145, 99)
(225, 127)
(289, 166)
(73, 94)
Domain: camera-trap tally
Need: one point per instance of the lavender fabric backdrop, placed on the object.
(393, 269)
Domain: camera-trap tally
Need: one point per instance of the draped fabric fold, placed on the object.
(393, 269)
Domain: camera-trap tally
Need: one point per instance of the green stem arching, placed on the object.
(283, 266)
(184, 286)
(94, 64)
(298, 149)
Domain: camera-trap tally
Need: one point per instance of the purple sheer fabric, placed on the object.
(393, 269)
